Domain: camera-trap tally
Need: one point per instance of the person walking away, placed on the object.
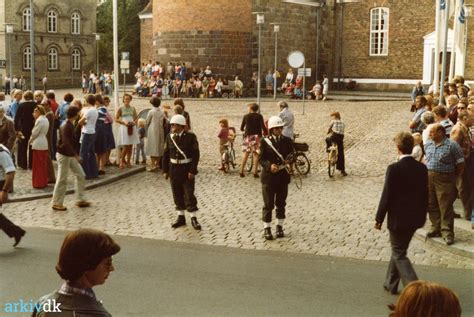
(275, 177)
(288, 120)
(180, 161)
(39, 146)
(88, 120)
(69, 161)
(24, 123)
(336, 135)
(405, 200)
(7, 174)
(252, 126)
(445, 161)
(155, 134)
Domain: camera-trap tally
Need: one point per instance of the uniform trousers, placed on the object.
(400, 266)
(274, 194)
(182, 188)
(441, 196)
(6, 225)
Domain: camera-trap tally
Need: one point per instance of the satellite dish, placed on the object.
(296, 59)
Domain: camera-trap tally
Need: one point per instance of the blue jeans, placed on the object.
(87, 153)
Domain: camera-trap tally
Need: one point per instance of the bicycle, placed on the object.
(228, 157)
(332, 159)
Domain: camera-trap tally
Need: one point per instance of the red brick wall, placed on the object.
(146, 40)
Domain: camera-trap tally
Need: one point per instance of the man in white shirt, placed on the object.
(88, 120)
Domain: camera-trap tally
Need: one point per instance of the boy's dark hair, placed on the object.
(50, 95)
(68, 97)
(90, 99)
(253, 106)
(83, 250)
(155, 101)
(98, 99)
(72, 112)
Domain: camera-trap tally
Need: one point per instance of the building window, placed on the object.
(27, 58)
(379, 31)
(26, 19)
(75, 23)
(53, 59)
(76, 59)
(52, 21)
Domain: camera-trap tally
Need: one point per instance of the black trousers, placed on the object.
(400, 266)
(183, 189)
(274, 195)
(24, 158)
(339, 140)
(6, 225)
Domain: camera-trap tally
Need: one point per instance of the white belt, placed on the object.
(183, 161)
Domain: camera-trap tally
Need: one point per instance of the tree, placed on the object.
(128, 31)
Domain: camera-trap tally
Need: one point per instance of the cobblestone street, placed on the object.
(326, 217)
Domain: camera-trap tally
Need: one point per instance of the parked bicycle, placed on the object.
(228, 156)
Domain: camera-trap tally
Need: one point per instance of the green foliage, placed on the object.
(128, 31)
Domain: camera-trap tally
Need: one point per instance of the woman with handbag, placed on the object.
(127, 135)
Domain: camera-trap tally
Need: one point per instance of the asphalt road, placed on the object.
(156, 278)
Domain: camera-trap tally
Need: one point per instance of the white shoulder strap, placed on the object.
(267, 140)
(177, 147)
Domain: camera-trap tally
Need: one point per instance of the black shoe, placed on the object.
(181, 221)
(267, 233)
(256, 175)
(195, 223)
(433, 234)
(457, 215)
(343, 173)
(279, 232)
(390, 291)
(448, 240)
(18, 237)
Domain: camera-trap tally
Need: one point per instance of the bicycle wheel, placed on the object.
(302, 163)
(249, 164)
(332, 159)
(225, 161)
(297, 179)
(232, 158)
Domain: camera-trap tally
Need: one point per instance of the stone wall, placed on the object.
(146, 40)
(63, 40)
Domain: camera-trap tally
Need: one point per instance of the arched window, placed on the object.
(27, 58)
(26, 19)
(52, 21)
(76, 59)
(75, 23)
(379, 31)
(52, 59)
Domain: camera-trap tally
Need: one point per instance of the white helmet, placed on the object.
(178, 119)
(275, 122)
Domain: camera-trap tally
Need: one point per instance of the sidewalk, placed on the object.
(24, 191)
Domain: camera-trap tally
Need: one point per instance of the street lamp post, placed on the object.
(260, 21)
(276, 29)
(9, 29)
(97, 39)
(32, 45)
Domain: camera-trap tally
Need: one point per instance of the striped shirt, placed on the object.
(67, 289)
(448, 126)
(444, 157)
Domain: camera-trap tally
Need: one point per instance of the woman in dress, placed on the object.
(154, 146)
(39, 145)
(109, 134)
(127, 134)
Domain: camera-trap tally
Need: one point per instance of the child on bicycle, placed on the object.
(336, 135)
(225, 135)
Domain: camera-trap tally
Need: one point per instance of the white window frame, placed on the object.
(75, 23)
(379, 38)
(52, 20)
(53, 58)
(76, 59)
(26, 58)
(26, 19)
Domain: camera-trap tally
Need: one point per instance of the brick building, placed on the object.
(347, 46)
(64, 40)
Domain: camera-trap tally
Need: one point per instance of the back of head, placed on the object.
(179, 102)
(283, 104)
(440, 111)
(404, 141)
(83, 250)
(427, 299)
(28, 95)
(155, 102)
(72, 112)
(253, 106)
(90, 99)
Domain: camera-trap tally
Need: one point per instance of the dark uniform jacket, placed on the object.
(269, 157)
(405, 195)
(189, 145)
(73, 306)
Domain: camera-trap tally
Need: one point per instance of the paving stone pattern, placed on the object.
(326, 217)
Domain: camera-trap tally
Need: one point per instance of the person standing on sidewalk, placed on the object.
(445, 160)
(7, 174)
(274, 152)
(405, 199)
(68, 160)
(180, 161)
(89, 115)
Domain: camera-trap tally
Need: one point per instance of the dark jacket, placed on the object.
(269, 157)
(7, 133)
(405, 195)
(253, 124)
(73, 306)
(67, 140)
(24, 120)
(189, 145)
